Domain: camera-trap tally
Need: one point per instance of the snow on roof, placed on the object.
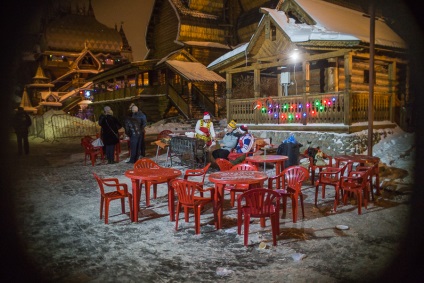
(75, 91)
(194, 71)
(50, 103)
(232, 53)
(206, 44)
(333, 23)
(337, 19)
(305, 32)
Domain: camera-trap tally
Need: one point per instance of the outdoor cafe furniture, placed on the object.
(197, 174)
(363, 160)
(162, 143)
(148, 163)
(271, 158)
(313, 167)
(292, 179)
(330, 176)
(258, 203)
(190, 195)
(222, 178)
(279, 161)
(239, 188)
(356, 184)
(223, 164)
(120, 191)
(90, 151)
(190, 151)
(149, 176)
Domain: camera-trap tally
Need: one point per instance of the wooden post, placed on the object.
(306, 77)
(228, 85)
(347, 91)
(371, 82)
(215, 95)
(257, 89)
(190, 97)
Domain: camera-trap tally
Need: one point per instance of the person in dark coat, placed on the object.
(110, 136)
(133, 130)
(142, 119)
(21, 123)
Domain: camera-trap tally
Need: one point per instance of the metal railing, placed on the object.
(62, 126)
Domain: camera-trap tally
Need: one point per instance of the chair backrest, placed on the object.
(100, 182)
(244, 167)
(261, 201)
(185, 190)
(88, 146)
(223, 164)
(164, 134)
(197, 172)
(294, 175)
(145, 163)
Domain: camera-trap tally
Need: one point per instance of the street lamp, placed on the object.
(295, 56)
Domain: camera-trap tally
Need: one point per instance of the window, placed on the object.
(367, 76)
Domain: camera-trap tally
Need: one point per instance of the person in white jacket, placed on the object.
(204, 129)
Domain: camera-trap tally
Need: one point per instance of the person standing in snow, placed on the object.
(142, 119)
(133, 130)
(110, 126)
(204, 129)
(21, 123)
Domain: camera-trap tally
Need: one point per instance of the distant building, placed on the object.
(68, 48)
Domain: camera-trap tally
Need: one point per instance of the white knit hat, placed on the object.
(243, 128)
(134, 108)
(206, 116)
(107, 108)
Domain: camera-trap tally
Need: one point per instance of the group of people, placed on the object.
(236, 140)
(133, 124)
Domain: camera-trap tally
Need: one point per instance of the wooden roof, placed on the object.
(194, 71)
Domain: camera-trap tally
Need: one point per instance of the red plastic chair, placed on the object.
(90, 151)
(192, 173)
(357, 183)
(291, 184)
(313, 167)
(223, 164)
(331, 176)
(160, 136)
(120, 192)
(148, 163)
(239, 188)
(187, 198)
(259, 203)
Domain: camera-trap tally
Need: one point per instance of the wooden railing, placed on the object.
(329, 108)
(203, 100)
(179, 101)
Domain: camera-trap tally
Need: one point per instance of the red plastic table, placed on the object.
(149, 176)
(277, 159)
(222, 178)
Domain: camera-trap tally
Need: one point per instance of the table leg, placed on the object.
(171, 202)
(219, 200)
(136, 191)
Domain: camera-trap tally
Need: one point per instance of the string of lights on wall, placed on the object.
(294, 110)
